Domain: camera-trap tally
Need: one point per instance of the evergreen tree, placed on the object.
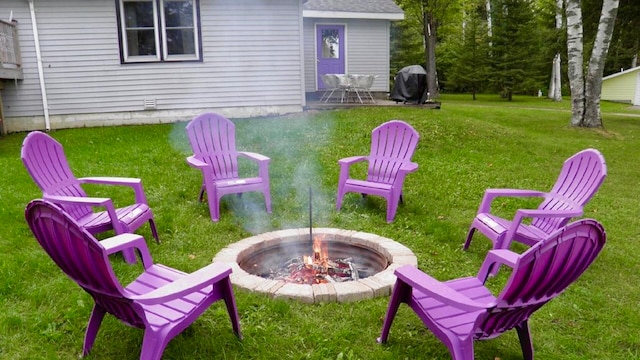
(515, 48)
(406, 45)
(469, 68)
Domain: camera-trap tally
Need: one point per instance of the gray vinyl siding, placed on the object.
(22, 97)
(367, 50)
(310, 55)
(251, 57)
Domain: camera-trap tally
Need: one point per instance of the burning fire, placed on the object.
(320, 253)
(317, 268)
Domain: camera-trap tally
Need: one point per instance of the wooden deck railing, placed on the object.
(10, 61)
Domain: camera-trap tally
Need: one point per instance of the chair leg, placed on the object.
(201, 195)
(92, 328)
(214, 208)
(462, 350)
(129, 256)
(267, 199)
(400, 292)
(525, 340)
(152, 347)
(469, 237)
(392, 207)
(232, 308)
(213, 201)
(154, 230)
(339, 198)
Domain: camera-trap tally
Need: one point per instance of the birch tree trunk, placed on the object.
(575, 59)
(593, 116)
(555, 85)
(489, 21)
(431, 40)
(585, 94)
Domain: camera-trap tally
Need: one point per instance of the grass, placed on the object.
(465, 147)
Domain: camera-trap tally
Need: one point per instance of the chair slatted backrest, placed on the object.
(392, 144)
(580, 177)
(213, 140)
(543, 272)
(81, 257)
(47, 164)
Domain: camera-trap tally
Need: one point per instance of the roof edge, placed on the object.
(621, 73)
(352, 15)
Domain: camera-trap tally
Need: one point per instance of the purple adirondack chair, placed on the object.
(581, 176)
(392, 146)
(47, 164)
(463, 310)
(213, 140)
(162, 301)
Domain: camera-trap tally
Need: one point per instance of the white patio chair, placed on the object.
(331, 84)
(361, 85)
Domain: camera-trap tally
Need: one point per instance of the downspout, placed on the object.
(43, 87)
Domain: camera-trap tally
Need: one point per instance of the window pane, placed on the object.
(138, 14)
(178, 14)
(141, 42)
(180, 42)
(140, 31)
(330, 44)
(179, 26)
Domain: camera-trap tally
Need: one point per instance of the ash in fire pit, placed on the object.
(320, 262)
(300, 272)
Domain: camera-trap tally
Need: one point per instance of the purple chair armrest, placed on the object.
(121, 242)
(206, 276)
(263, 162)
(110, 180)
(494, 259)
(409, 167)
(73, 200)
(345, 165)
(88, 201)
(351, 160)
(532, 213)
(134, 183)
(254, 156)
(196, 163)
(490, 194)
(436, 289)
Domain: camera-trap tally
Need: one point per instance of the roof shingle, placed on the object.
(361, 6)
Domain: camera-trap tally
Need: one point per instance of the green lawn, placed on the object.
(465, 147)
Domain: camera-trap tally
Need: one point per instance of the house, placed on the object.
(623, 86)
(348, 37)
(116, 62)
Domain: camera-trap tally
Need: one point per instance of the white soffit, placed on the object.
(351, 15)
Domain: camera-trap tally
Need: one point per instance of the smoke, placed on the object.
(293, 143)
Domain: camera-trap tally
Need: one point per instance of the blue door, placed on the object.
(330, 51)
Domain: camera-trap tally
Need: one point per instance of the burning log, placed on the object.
(297, 270)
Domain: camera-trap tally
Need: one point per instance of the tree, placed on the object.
(586, 88)
(555, 85)
(406, 44)
(515, 47)
(470, 66)
(625, 41)
(429, 14)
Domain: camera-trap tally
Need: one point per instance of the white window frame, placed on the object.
(159, 24)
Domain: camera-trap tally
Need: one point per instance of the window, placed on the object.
(159, 30)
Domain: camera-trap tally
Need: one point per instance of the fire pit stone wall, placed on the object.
(377, 285)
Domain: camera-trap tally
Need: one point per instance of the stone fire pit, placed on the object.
(379, 284)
